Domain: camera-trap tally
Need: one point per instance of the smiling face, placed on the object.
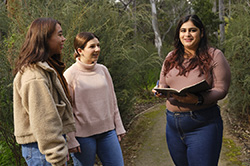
(91, 51)
(56, 41)
(190, 36)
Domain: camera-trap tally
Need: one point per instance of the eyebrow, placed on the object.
(93, 44)
(190, 28)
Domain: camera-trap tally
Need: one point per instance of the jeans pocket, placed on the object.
(198, 118)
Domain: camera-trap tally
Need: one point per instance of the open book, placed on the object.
(195, 88)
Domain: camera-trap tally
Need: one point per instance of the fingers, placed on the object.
(72, 150)
(75, 150)
(68, 157)
(157, 94)
(156, 86)
(79, 149)
(120, 137)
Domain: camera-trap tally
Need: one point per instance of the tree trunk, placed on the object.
(158, 42)
(222, 25)
(214, 9)
(134, 15)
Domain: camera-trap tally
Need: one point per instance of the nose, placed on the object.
(97, 48)
(63, 38)
(187, 33)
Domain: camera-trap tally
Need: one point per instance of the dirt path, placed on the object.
(145, 143)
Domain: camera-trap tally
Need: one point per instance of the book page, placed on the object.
(195, 88)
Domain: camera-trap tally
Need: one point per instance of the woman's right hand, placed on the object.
(75, 150)
(158, 94)
(155, 92)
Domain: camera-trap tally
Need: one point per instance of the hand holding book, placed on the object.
(156, 93)
(194, 89)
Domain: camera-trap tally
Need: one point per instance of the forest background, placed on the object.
(135, 36)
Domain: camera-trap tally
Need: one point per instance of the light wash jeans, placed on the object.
(194, 138)
(33, 156)
(105, 145)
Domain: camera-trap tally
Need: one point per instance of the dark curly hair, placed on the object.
(202, 58)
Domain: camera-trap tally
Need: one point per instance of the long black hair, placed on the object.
(202, 58)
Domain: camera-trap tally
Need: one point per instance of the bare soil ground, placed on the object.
(238, 130)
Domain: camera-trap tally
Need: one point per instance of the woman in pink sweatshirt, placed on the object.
(99, 126)
(194, 125)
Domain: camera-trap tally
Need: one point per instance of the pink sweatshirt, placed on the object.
(94, 101)
(219, 79)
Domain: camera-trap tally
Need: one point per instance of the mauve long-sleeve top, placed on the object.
(219, 81)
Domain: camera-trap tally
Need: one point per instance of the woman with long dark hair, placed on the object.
(194, 125)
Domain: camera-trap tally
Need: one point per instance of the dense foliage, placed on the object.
(209, 18)
(237, 50)
(130, 59)
(127, 47)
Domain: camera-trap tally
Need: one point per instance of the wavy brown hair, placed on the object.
(202, 58)
(35, 47)
(81, 40)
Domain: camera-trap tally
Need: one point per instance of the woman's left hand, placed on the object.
(75, 150)
(120, 137)
(188, 99)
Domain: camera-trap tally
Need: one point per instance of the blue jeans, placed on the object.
(105, 145)
(194, 138)
(33, 156)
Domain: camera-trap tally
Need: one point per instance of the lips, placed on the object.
(188, 40)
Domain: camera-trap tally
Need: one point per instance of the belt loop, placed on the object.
(192, 114)
(176, 114)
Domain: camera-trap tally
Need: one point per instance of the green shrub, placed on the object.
(237, 51)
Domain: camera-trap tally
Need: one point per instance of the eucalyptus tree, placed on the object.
(221, 17)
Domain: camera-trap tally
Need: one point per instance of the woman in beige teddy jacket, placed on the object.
(42, 109)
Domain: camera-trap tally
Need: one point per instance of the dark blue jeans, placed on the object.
(105, 145)
(194, 138)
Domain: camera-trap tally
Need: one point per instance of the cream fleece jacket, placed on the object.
(94, 101)
(218, 79)
(42, 112)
